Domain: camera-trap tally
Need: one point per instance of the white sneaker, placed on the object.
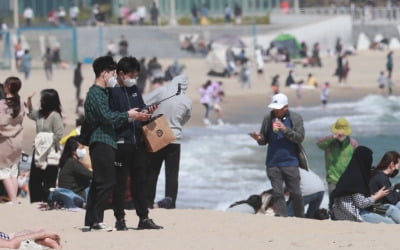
(220, 122)
(206, 121)
(101, 227)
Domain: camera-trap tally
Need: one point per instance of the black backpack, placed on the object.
(87, 130)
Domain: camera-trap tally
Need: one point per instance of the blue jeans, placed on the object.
(374, 217)
(68, 198)
(314, 202)
(393, 212)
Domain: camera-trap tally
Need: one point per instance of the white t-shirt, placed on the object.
(310, 183)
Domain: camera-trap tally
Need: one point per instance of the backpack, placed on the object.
(87, 130)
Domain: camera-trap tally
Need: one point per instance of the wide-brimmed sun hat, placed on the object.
(341, 126)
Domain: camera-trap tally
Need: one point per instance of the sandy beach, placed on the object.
(204, 229)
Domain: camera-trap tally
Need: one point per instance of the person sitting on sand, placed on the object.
(73, 175)
(74, 178)
(312, 81)
(30, 239)
(386, 168)
(312, 190)
(351, 199)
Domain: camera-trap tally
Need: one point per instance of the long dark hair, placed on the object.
(70, 147)
(49, 102)
(13, 84)
(388, 157)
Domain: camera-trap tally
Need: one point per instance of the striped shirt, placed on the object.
(348, 207)
(97, 111)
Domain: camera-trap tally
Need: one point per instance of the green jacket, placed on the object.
(337, 156)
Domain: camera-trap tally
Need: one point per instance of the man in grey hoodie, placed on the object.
(177, 110)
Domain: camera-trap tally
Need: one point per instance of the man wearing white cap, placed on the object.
(283, 130)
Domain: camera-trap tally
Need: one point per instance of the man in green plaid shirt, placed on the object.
(103, 144)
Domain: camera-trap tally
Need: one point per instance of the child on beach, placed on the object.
(205, 99)
(325, 94)
(382, 82)
(217, 97)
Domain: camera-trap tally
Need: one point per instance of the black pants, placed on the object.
(130, 159)
(78, 92)
(171, 155)
(102, 157)
(40, 181)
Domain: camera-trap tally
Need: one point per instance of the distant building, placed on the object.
(41, 8)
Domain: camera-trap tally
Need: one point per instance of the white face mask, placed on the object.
(342, 138)
(81, 153)
(130, 82)
(112, 82)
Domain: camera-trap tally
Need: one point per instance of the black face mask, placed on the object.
(395, 172)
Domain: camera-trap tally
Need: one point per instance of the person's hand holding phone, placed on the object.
(256, 136)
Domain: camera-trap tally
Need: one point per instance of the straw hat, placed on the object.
(341, 125)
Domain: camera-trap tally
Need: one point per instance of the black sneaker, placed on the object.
(120, 225)
(148, 224)
(165, 203)
(100, 227)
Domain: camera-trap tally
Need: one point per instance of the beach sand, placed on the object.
(203, 229)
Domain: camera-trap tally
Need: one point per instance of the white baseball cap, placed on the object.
(278, 101)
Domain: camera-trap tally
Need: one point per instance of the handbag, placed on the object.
(379, 208)
(157, 134)
(53, 158)
(45, 153)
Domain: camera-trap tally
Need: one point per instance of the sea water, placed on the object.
(223, 164)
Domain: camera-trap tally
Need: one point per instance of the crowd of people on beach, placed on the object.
(111, 132)
(113, 114)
